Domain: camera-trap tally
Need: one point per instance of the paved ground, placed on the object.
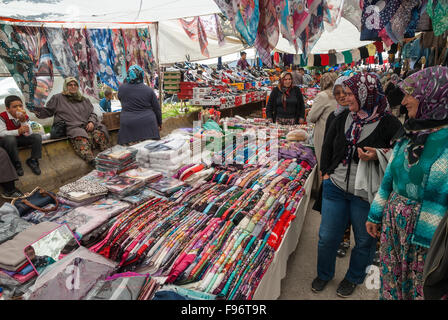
(302, 268)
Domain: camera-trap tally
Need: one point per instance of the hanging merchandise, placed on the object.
(86, 59)
(120, 64)
(356, 54)
(438, 12)
(333, 11)
(332, 59)
(102, 42)
(61, 53)
(371, 48)
(35, 42)
(413, 24)
(146, 48)
(424, 23)
(379, 46)
(401, 19)
(18, 62)
(132, 48)
(268, 31)
(348, 56)
(364, 53)
(309, 37)
(340, 58)
(219, 31)
(195, 31)
(352, 11)
(244, 16)
(374, 18)
(325, 59)
(212, 26)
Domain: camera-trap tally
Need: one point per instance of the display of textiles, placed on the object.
(166, 185)
(38, 216)
(123, 186)
(149, 289)
(82, 190)
(124, 286)
(142, 196)
(144, 174)
(87, 218)
(116, 159)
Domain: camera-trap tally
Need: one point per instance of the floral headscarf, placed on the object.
(77, 97)
(373, 105)
(135, 74)
(285, 91)
(430, 87)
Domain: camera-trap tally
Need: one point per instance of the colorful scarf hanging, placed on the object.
(61, 53)
(102, 43)
(132, 47)
(35, 42)
(146, 48)
(119, 63)
(268, 30)
(19, 64)
(332, 14)
(195, 31)
(438, 12)
(86, 59)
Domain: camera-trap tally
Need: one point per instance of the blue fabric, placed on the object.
(102, 41)
(168, 295)
(338, 208)
(249, 28)
(106, 105)
(26, 270)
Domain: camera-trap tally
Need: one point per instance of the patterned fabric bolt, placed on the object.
(102, 42)
(86, 59)
(61, 53)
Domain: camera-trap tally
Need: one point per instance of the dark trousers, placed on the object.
(11, 144)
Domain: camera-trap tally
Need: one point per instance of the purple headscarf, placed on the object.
(430, 88)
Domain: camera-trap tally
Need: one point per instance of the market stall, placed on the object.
(218, 226)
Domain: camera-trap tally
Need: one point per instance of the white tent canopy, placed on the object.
(174, 44)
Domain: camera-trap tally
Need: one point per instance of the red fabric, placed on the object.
(324, 59)
(379, 46)
(370, 60)
(9, 123)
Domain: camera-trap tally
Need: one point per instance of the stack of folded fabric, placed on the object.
(193, 173)
(87, 218)
(98, 176)
(166, 186)
(116, 159)
(166, 155)
(142, 196)
(38, 216)
(144, 174)
(121, 186)
(81, 192)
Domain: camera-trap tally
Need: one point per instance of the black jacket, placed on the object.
(335, 143)
(295, 107)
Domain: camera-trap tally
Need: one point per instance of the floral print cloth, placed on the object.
(86, 59)
(16, 58)
(61, 53)
(401, 262)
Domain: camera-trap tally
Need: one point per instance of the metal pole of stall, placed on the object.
(158, 67)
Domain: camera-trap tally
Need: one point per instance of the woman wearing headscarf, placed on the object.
(285, 104)
(356, 135)
(323, 105)
(82, 125)
(141, 116)
(413, 197)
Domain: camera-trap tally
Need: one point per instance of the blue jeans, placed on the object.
(338, 207)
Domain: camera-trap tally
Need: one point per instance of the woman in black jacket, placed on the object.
(355, 135)
(285, 104)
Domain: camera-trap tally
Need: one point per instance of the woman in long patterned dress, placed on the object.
(413, 197)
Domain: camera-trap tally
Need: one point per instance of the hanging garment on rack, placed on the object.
(120, 65)
(146, 48)
(438, 12)
(62, 55)
(195, 31)
(356, 55)
(104, 51)
(35, 42)
(86, 59)
(18, 62)
(333, 13)
(132, 49)
(268, 31)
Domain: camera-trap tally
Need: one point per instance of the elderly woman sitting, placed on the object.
(83, 127)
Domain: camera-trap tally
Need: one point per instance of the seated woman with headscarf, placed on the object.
(82, 125)
(141, 116)
(285, 104)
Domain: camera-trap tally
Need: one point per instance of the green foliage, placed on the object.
(174, 110)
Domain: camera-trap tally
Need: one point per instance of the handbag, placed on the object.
(36, 200)
(58, 130)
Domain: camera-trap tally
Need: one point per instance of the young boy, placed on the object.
(15, 132)
(105, 103)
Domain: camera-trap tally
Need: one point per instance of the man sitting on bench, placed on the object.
(15, 132)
